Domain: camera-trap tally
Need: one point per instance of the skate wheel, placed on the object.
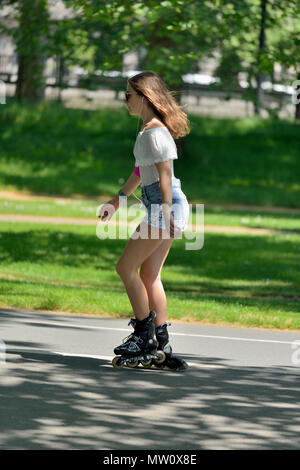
(176, 364)
(117, 363)
(172, 368)
(147, 364)
(159, 366)
(132, 364)
(161, 357)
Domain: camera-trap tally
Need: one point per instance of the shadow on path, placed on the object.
(49, 401)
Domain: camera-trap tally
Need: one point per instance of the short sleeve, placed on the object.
(154, 147)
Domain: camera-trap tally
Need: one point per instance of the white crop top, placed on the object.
(152, 146)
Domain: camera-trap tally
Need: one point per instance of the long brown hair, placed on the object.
(162, 101)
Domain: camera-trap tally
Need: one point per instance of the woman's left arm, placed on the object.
(165, 181)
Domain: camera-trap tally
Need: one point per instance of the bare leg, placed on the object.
(158, 301)
(150, 275)
(136, 252)
(137, 294)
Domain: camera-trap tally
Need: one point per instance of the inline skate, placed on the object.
(171, 362)
(140, 346)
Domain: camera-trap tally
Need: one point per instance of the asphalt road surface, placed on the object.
(58, 389)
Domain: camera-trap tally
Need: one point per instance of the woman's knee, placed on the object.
(149, 277)
(120, 268)
(124, 270)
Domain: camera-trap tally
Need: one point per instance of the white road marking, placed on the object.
(109, 358)
(92, 327)
(192, 365)
(103, 358)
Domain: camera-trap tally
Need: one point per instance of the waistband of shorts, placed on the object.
(176, 183)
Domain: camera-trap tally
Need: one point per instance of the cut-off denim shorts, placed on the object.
(152, 200)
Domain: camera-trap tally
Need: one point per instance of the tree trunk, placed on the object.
(30, 44)
(30, 84)
(297, 112)
(60, 70)
(262, 41)
(297, 106)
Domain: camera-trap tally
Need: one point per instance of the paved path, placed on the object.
(39, 219)
(21, 196)
(85, 221)
(59, 390)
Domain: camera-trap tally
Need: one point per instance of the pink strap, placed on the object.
(137, 171)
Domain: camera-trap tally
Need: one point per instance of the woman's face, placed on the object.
(135, 101)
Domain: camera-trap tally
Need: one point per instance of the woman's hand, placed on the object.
(174, 230)
(171, 228)
(108, 209)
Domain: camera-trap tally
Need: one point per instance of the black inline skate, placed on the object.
(171, 362)
(140, 346)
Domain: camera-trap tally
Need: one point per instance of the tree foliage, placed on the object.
(170, 36)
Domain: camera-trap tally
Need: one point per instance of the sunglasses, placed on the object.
(127, 95)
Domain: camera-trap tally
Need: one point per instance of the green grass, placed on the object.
(241, 280)
(246, 280)
(248, 161)
(49, 149)
(213, 216)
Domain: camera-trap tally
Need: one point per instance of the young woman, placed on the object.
(167, 216)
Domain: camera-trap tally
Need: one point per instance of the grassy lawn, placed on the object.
(213, 216)
(242, 280)
(247, 280)
(49, 149)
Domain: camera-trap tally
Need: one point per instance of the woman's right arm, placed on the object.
(131, 184)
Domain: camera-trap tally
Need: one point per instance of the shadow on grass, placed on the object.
(49, 149)
(63, 151)
(227, 265)
(52, 300)
(223, 256)
(241, 161)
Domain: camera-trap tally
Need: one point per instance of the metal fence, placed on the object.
(210, 98)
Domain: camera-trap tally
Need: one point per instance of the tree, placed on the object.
(262, 33)
(175, 34)
(229, 67)
(37, 36)
(31, 23)
(285, 48)
(261, 49)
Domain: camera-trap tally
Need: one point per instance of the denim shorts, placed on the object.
(152, 200)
